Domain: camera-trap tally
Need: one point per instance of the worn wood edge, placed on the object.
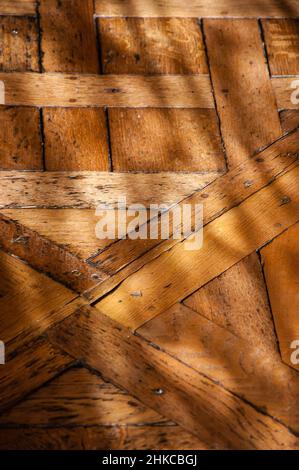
(174, 379)
(73, 90)
(18, 7)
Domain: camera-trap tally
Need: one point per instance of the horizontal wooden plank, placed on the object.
(17, 7)
(170, 387)
(197, 8)
(221, 195)
(71, 90)
(88, 189)
(229, 238)
(286, 90)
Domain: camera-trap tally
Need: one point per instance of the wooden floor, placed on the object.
(142, 344)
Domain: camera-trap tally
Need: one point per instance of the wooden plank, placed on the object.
(20, 142)
(197, 8)
(17, 7)
(68, 38)
(185, 140)
(282, 42)
(152, 46)
(289, 120)
(18, 45)
(237, 301)
(66, 90)
(227, 240)
(286, 90)
(173, 389)
(245, 99)
(280, 259)
(88, 189)
(75, 139)
(220, 196)
(46, 256)
(31, 303)
(28, 370)
(80, 397)
(245, 369)
(100, 438)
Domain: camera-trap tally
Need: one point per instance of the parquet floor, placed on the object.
(142, 344)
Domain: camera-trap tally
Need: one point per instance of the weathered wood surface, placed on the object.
(286, 90)
(17, 7)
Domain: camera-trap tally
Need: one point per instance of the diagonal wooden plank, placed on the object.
(245, 369)
(73, 90)
(243, 92)
(281, 261)
(289, 120)
(173, 389)
(228, 239)
(197, 8)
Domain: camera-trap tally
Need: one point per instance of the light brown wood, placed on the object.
(100, 438)
(197, 8)
(20, 140)
(227, 240)
(17, 7)
(281, 260)
(28, 369)
(80, 397)
(69, 90)
(88, 189)
(68, 39)
(75, 139)
(152, 46)
(289, 120)
(243, 368)
(185, 140)
(44, 255)
(282, 42)
(237, 300)
(220, 196)
(170, 387)
(286, 90)
(244, 97)
(18, 44)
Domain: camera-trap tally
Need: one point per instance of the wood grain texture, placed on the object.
(20, 140)
(237, 301)
(88, 189)
(281, 258)
(17, 7)
(18, 44)
(69, 90)
(152, 46)
(185, 140)
(286, 90)
(220, 196)
(289, 120)
(243, 368)
(28, 369)
(80, 397)
(188, 398)
(68, 39)
(282, 42)
(196, 8)
(42, 254)
(227, 240)
(245, 99)
(100, 438)
(75, 139)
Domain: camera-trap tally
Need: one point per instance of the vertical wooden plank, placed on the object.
(68, 36)
(75, 139)
(244, 96)
(281, 261)
(20, 140)
(282, 42)
(163, 140)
